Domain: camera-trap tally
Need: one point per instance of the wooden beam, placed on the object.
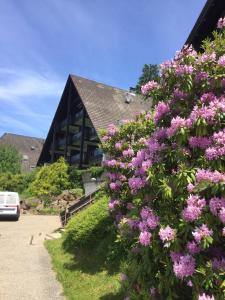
(68, 123)
(82, 139)
(53, 144)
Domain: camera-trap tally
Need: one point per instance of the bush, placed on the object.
(168, 186)
(90, 225)
(16, 182)
(75, 177)
(10, 159)
(51, 180)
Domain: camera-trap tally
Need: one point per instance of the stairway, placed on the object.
(85, 200)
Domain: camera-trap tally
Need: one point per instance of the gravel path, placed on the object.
(25, 270)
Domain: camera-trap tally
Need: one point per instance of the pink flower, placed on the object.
(184, 267)
(113, 204)
(221, 23)
(128, 153)
(190, 187)
(145, 238)
(199, 142)
(184, 70)
(223, 232)
(218, 264)
(167, 234)
(193, 248)
(161, 109)
(115, 186)
(222, 215)
(118, 145)
(112, 130)
(216, 204)
(201, 232)
(205, 297)
(221, 61)
(151, 85)
(207, 97)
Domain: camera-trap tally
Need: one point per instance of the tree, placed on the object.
(149, 72)
(10, 159)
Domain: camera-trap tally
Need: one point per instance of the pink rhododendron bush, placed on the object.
(166, 175)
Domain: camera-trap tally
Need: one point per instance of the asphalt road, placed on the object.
(25, 268)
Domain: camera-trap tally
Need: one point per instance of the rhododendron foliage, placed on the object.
(166, 173)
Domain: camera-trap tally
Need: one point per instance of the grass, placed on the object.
(85, 275)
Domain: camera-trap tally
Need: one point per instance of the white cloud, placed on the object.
(21, 83)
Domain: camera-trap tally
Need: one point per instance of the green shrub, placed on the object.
(90, 225)
(75, 177)
(51, 180)
(10, 159)
(96, 171)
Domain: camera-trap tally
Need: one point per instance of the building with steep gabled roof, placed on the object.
(206, 22)
(86, 107)
(28, 147)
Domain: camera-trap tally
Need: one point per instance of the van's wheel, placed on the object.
(16, 218)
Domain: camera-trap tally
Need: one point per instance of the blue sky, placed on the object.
(41, 42)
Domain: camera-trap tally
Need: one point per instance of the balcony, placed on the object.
(63, 125)
(92, 134)
(96, 157)
(75, 159)
(78, 116)
(76, 138)
(61, 143)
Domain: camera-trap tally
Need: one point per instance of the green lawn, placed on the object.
(86, 275)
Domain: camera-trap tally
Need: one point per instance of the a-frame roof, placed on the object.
(105, 104)
(206, 22)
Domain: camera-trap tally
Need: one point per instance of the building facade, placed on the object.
(28, 147)
(86, 107)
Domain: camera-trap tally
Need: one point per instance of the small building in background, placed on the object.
(86, 107)
(28, 147)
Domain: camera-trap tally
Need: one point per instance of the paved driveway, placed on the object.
(25, 268)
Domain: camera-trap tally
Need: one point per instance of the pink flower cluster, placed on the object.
(221, 23)
(136, 183)
(128, 152)
(177, 123)
(211, 176)
(161, 109)
(112, 130)
(145, 238)
(201, 232)
(199, 142)
(167, 234)
(148, 219)
(218, 149)
(183, 265)
(217, 208)
(194, 209)
(151, 85)
(184, 70)
(221, 61)
(113, 204)
(193, 247)
(218, 264)
(205, 297)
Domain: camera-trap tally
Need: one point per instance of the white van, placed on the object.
(10, 205)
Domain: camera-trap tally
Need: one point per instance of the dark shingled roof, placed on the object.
(105, 104)
(29, 148)
(206, 22)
